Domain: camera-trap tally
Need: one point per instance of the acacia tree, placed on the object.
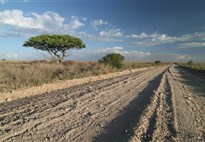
(56, 45)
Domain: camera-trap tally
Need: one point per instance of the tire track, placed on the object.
(24, 111)
(121, 128)
(111, 107)
(165, 126)
(69, 110)
(154, 105)
(158, 121)
(189, 104)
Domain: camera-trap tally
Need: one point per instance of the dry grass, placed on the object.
(25, 74)
(195, 66)
(15, 74)
(133, 65)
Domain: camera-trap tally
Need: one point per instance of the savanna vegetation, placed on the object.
(194, 66)
(18, 74)
(157, 62)
(115, 60)
(56, 45)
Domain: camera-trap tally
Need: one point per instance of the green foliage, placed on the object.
(114, 59)
(190, 62)
(157, 62)
(55, 45)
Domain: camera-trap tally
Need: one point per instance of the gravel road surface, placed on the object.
(160, 104)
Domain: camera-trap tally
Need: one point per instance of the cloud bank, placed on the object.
(3, 1)
(191, 45)
(16, 23)
(25, 24)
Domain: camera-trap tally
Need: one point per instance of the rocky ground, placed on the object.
(160, 104)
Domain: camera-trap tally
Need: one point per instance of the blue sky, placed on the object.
(146, 30)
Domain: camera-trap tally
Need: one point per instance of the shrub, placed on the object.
(157, 62)
(190, 62)
(114, 59)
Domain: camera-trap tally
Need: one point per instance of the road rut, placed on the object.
(161, 104)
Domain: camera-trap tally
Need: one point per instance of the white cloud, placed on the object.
(191, 45)
(172, 57)
(183, 57)
(140, 36)
(96, 23)
(130, 55)
(18, 19)
(154, 39)
(98, 37)
(136, 55)
(196, 37)
(79, 18)
(32, 23)
(3, 1)
(10, 56)
(143, 39)
(162, 38)
(99, 53)
(149, 40)
(116, 49)
(111, 33)
(143, 56)
(13, 34)
(75, 23)
(16, 23)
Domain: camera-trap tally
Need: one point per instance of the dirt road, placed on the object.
(160, 104)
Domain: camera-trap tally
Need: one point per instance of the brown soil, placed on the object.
(160, 104)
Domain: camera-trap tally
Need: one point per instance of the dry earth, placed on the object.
(161, 104)
(58, 85)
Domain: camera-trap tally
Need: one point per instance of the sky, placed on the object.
(140, 30)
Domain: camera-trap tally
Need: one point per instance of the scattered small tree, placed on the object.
(114, 59)
(157, 62)
(190, 62)
(56, 45)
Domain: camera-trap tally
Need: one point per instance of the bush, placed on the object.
(114, 59)
(157, 62)
(190, 62)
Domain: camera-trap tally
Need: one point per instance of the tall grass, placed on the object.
(16, 74)
(194, 66)
(133, 65)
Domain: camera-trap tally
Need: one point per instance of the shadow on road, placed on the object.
(193, 79)
(121, 128)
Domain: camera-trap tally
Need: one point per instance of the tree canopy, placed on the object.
(157, 62)
(56, 45)
(114, 59)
